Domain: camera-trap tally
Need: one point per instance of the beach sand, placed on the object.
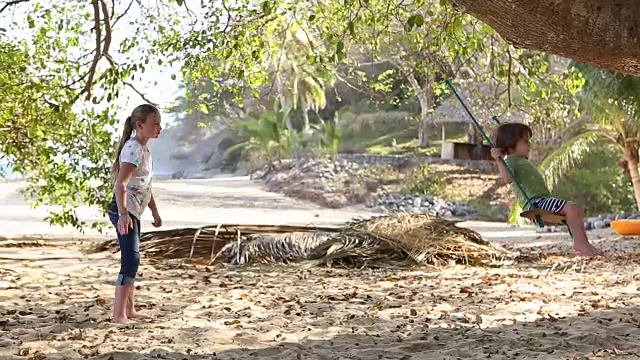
(56, 300)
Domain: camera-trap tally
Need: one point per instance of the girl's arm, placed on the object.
(120, 186)
(152, 205)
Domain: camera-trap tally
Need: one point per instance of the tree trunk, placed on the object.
(601, 33)
(305, 115)
(632, 157)
(635, 180)
(283, 105)
(424, 98)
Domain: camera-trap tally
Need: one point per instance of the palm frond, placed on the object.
(274, 248)
(393, 240)
(567, 156)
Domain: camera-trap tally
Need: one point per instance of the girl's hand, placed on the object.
(124, 224)
(157, 221)
(496, 153)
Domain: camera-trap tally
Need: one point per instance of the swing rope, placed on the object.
(486, 137)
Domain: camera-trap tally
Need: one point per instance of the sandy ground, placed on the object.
(56, 301)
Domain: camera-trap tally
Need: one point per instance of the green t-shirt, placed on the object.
(529, 178)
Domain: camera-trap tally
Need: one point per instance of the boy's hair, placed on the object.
(508, 135)
(140, 114)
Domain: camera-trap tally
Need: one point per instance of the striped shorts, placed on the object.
(553, 205)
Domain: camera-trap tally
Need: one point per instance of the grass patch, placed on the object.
(365, 140)
(372, 142)
(409, 147)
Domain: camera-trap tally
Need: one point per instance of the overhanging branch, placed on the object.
(98, 52)
(605, 34)
(7, 4)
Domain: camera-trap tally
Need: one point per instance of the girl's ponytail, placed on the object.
(139, 114)
(126, 135)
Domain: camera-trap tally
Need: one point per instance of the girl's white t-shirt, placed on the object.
(139, 186)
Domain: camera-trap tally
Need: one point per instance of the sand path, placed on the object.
(225, 199)
(60, 309)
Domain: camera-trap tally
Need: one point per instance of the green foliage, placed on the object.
(237, 52)
(424, 181)
(611, 106)
(55, 121)
(514, 214)
(268, 134)
(63, 154)
(565, 157)
(597, 184)
(330, 134)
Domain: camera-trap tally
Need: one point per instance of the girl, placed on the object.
(514, 141)
(132, 170)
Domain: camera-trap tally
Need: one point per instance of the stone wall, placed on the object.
(488, 167)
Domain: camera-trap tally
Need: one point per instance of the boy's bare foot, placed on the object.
(586, 250)
(123, 321)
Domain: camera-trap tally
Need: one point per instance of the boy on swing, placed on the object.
(514, 141)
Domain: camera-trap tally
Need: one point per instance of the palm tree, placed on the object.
(300, 84)
(611, 103)
(267, 133)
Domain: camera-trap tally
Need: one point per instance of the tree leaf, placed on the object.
(203, 108)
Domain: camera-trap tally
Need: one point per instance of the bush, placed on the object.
(424, 181)
(598, 184)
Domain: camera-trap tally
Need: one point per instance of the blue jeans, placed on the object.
(129, 247)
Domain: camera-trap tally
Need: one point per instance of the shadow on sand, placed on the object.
(604, 333)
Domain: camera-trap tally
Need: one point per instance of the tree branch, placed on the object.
(600, 33)
(509, 77)
(143, 96)
(12, 3)
(107, 31)
(115, 21)
(98, 53)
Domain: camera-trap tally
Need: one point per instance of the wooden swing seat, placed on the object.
(547, 217)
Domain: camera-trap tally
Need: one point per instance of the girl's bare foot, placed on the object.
(123, 321)
(132, 314)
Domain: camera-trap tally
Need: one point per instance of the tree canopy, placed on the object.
(61, 83)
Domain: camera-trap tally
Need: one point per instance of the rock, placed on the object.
(6, 343)
(622, 216)
(372, 185)
(425, 204)
(32, 286)
(4, 285)
(334, 200)
(178, 175)
(600, 224)
(340, 183)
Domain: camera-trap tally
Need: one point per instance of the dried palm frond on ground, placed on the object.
(409, 239)
(393, 240)
(204, 241)
(275, 248)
